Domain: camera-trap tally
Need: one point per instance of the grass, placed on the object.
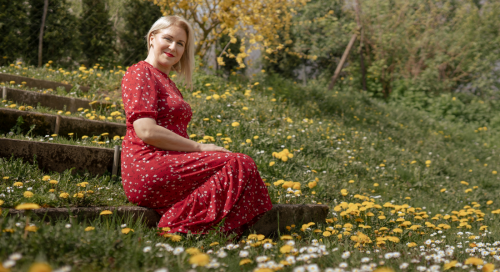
(395, 180)
(60, 91)
(111, 113)
(96, 77)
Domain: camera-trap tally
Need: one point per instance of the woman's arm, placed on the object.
(158, 136)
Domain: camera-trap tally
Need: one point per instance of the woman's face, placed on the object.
(167, 46)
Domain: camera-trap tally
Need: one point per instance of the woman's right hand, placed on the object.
(212, 147)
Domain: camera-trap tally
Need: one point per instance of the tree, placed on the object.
(97, 35)
(432, 47)
(259, 22)
(14, 30)
(319, 33)
(60, 36)
(139, 17)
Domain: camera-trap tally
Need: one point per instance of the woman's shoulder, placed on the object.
(139, 69)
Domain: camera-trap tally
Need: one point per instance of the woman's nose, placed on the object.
(172, 46)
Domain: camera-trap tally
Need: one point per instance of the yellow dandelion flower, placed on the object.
(245, 261)
(27, 206)
(106, 212)
(89, 228)
(286, 249)
(193, 251)
(201, 259)
(31, 228)
(176, 238)
(28, 194)
(474, 261)
(40, 267)
(489, 267)
(64, 195)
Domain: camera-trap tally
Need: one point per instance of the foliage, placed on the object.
(432, 46)
(318, 36)
(21, 36)
(257, 21)
(97, 35)
(139, 16)
(227, 63)
(60, 37)
(13, 30)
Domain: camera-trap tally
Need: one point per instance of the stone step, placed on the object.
(56, 102)
(280, 216)
(47, 124)
(38, 83)
(60, 157)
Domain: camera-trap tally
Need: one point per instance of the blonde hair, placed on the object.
(185, 66)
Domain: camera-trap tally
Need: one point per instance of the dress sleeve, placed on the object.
(139, 94)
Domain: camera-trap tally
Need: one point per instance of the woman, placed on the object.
(192, 185)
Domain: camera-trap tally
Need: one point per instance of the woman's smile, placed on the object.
(169, 55)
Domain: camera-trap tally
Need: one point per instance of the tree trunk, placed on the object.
(40, 40)
(342, 61)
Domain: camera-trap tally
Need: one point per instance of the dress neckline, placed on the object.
(150, 65)
(168, 78)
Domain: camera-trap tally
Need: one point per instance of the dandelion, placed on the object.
(89, 228)
(40, 267)
(27, 206)
(245, 261)
(106, 212)
(63, 195)
(474, 261)
(235, 124)
(385, 269)
(175, 238)
(28, 194)
(489, 267)
(31, 228)
(53, 181)
(127, 230)
(201, 259)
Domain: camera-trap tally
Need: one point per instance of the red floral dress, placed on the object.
(193, 191)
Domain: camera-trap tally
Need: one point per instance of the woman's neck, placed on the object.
(156, 65)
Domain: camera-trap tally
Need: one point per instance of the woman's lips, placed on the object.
(169, 55)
